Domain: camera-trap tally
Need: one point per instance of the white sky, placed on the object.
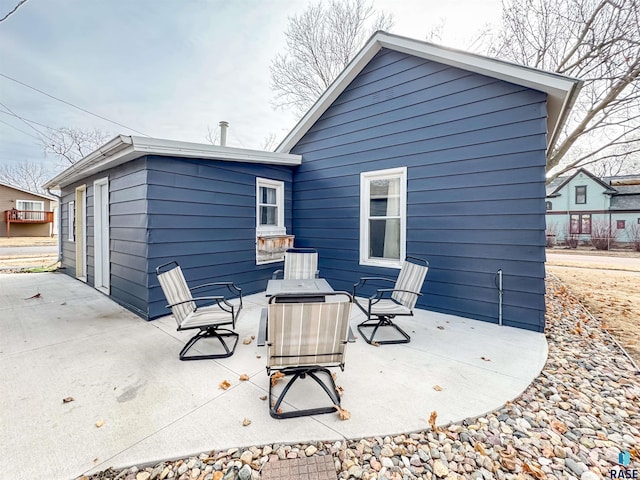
(170, 68)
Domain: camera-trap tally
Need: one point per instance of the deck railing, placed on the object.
(26, 216)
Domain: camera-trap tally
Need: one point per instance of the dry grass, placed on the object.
(612, 296)
(27, 241)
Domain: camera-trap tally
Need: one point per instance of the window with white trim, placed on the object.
(71, 223)
(30, 209)
(383, 217)
(269, 207)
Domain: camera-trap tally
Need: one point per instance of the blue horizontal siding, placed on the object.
(475, 151)
(202, 214)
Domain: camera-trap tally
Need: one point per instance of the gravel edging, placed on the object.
(570, 423)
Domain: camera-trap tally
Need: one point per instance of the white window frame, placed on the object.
(30, 201)
(71, 215)
(365, 179)
(278, 229)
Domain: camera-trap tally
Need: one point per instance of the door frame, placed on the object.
(101, 224)
(81, 232)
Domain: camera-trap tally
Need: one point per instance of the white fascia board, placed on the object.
(561, 90)
(124, 148)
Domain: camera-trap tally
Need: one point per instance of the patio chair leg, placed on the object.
(328, 386)
(376, 323)
(211, 332)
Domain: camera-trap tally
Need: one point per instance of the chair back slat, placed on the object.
(411, 278)
(300, 265)
(175, 288)
(305, 334)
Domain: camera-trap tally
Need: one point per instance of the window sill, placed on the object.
(381, 263)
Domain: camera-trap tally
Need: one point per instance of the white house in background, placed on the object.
(578, 204)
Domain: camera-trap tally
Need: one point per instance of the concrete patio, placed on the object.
(72, 341)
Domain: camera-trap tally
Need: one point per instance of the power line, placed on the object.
(20, 130)
(24, 121)
(13, 114)
(71, 104)
(13, 11)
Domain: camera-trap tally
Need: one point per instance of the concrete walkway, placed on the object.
(72, 341)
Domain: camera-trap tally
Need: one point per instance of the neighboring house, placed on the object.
(414, 150)
(582, 204)
(26, 214)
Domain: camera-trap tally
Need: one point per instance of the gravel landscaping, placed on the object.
(570, 423)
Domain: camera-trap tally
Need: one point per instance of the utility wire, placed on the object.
(13, 11)
(25, 122)
(20, 130)
(31, 121)
(71, 104)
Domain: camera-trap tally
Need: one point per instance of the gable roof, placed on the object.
(48, 197)
(608, 188)
(561, 91)
(124, 148)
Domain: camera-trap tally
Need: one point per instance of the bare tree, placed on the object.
(72, 144)
(321, 41)
(597, 41)
(20, 3)
(26, 175)
(270, 142)
(213, 135)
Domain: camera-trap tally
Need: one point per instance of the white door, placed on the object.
(101, 233)
(81, 232)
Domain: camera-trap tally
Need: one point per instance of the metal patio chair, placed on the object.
(299, 264)
(303, 341)
(208, 319)
(388, 303)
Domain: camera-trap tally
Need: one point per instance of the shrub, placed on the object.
(634, 236)
(551, 232)
(603, 235)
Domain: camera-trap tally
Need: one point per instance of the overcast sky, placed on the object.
(168, 68)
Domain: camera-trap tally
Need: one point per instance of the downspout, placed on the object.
(59, 224)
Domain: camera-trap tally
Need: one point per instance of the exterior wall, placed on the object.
(127, 233)
(474, 148)
(8, 197)
(202, 214)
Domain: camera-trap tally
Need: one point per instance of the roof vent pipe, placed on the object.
(223, 132)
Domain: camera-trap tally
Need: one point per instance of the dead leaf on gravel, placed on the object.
(558, 426)
(432, 421)
(334, 375)
(246, 341)
(374, 343)
(37, 295)
(440, 327)
(437, 388)
(533, 470)
(224, 385)
(275, 378)
(99, 423)
(340, 390)
(263, 398)
(342, 413)
(244, 377)
(67, 399)
(485, 359)
(246, 422)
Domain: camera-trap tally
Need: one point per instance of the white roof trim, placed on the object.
(561, 90)
(124, 148)
(48, 197)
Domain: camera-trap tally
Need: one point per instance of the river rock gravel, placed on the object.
(570, 423)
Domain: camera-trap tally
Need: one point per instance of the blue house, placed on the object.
(582, 205)
(415, 149)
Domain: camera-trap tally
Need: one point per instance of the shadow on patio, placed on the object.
(72, 341)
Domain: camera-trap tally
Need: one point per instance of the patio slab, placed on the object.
(73, 341)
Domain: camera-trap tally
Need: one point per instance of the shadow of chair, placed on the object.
(209, 319)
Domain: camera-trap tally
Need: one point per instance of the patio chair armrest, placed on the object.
(217, 298)
(364, 280)
(274, 276)
(262, 327)
(381, 291)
